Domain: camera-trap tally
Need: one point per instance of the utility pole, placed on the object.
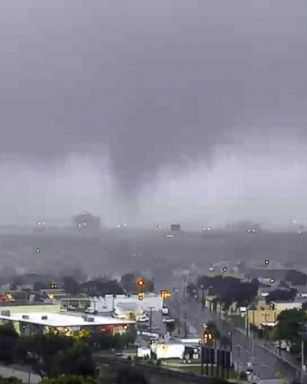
(303, 362)
(238, 361)
(202, 296)
(185, 325)
(254, 324)
(253, 357)
(150, 318)
(202, 360)
(179, 317)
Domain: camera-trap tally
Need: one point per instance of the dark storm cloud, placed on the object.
(151, 84)
(153, 81)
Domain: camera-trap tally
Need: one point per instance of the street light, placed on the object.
(202, 287)
(178, 309)
(230, 340)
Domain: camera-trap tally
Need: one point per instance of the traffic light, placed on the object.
(207, 337)
(141, 296)
(140, 283)
(164, 293)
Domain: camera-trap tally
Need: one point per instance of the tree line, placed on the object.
(51, 355)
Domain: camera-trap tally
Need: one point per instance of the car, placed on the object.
(164, 311)
(142, 318)
(168, 320)
(91, 311)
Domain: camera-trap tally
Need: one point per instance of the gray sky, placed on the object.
(147, 110)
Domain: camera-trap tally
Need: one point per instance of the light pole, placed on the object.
(178, 309)
(238, 360)
(185, 325)
(150, 318)
(202, 287)
(303, 362)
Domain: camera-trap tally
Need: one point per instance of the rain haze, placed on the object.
(153, 111)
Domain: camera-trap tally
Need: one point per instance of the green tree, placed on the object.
(10, 380)
(281, 295)
(289, 325)
(191, 290)
(39, 285)
(8, 342)
(69, 379)
(129, 283)
(70, 285)
(129, 376)
(213, 329)
(76, 360)
(296, 277)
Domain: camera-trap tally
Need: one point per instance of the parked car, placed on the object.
(142, 318)
(165, 311)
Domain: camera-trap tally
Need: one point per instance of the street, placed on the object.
(266, 364)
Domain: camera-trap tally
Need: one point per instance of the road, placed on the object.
(267, 365)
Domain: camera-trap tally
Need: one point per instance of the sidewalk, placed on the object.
(21, 373)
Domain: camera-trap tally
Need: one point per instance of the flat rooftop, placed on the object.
(63, 320)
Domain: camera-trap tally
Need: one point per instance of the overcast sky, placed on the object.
(153, 110)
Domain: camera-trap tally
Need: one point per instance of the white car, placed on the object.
(142, 318)
(91, 311)
(164, 311)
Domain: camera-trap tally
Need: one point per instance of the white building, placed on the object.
(109, 303)
(45, 322)
(283, 306)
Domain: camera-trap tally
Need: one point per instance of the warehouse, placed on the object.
(30, 323)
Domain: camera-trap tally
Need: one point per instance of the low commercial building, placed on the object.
(267, 314)
(25, 308)
(168, 350)
(140, 304)
(29, 323)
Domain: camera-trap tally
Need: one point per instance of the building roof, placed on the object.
(267, 273)
(63, 320)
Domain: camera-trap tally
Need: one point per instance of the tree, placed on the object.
(129, 283)
(10, 380)
(8, 341)
(281, 295)
(76, 360)
(39, 285)
(42, 350)
(213, 329)
(289, 325)
(191, 290)
(296, 277)
(69, 379)
(129, 376)
(102, 288)
(70, 285)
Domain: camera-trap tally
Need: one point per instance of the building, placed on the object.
(87, 223)
(175, 227)
(139, 303)
(25, 308)
(285, 305)
(28, 323)
(266, 314)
